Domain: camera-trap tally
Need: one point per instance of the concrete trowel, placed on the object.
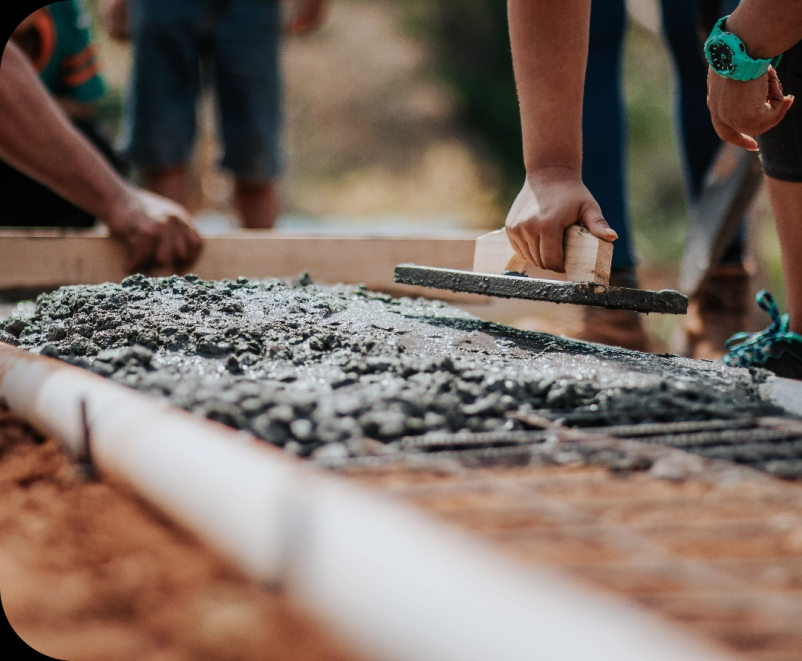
(729, 187)
(498, 271)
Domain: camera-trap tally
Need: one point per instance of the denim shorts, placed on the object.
(234, 45)
(781, 147)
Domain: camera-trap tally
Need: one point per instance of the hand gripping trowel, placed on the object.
(498, 271)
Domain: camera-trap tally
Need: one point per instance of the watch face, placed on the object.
(721, 57)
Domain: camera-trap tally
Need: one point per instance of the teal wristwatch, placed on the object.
(726, 55)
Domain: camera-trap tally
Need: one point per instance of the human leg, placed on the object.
(720, 308)
(247, 78)
(604, 173)
(257, 203)
(778, 348)
(171, 182)
(699, 144)
(604, 124)
(159, 123)
(786, 205)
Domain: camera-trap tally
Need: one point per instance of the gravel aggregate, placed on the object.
(339, 371)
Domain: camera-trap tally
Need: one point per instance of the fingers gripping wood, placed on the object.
(587, 258)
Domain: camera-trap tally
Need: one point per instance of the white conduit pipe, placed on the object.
(399, 586)
(786, 393)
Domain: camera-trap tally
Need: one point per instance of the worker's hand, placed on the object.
(307, 15)
(115, 19)
(157, 231)
(743, 109)
(551, 200)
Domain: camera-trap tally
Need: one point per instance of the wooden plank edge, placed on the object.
(87, 257)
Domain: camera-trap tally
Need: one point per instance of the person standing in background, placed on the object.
(721, 308)
(233, 44)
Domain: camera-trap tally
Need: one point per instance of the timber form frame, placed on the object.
(46, 259)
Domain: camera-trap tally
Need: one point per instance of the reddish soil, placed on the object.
(90, 572)
(720, 555)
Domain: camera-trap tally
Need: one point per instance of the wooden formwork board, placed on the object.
(46, 258)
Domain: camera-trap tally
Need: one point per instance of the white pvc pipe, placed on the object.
(786, 393)
(398, 585)
(409, 589)
(225, 486)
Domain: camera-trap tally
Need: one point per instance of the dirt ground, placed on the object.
(718, 552)
(90, 572)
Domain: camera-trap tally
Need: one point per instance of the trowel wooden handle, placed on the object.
(587, 259)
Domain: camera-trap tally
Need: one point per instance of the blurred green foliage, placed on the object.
(472, 51)
(655, 188)
(768, 253)
(110, 109)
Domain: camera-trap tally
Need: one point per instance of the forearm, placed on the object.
(38, 139)
(549, 51)
(767, 27)
(77, 110)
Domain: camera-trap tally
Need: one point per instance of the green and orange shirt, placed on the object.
(66, 61)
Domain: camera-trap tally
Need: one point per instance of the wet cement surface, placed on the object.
(319, 369)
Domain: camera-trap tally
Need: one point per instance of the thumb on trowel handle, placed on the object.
(517, 264)
(587, 258)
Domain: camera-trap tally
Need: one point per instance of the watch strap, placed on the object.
(745, 67)
(750, 69)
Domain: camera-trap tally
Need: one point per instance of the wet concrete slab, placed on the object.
(325, 371)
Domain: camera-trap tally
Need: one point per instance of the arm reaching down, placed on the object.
(767, 27)
(743, 109)
(549, 50)
(38, 139)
